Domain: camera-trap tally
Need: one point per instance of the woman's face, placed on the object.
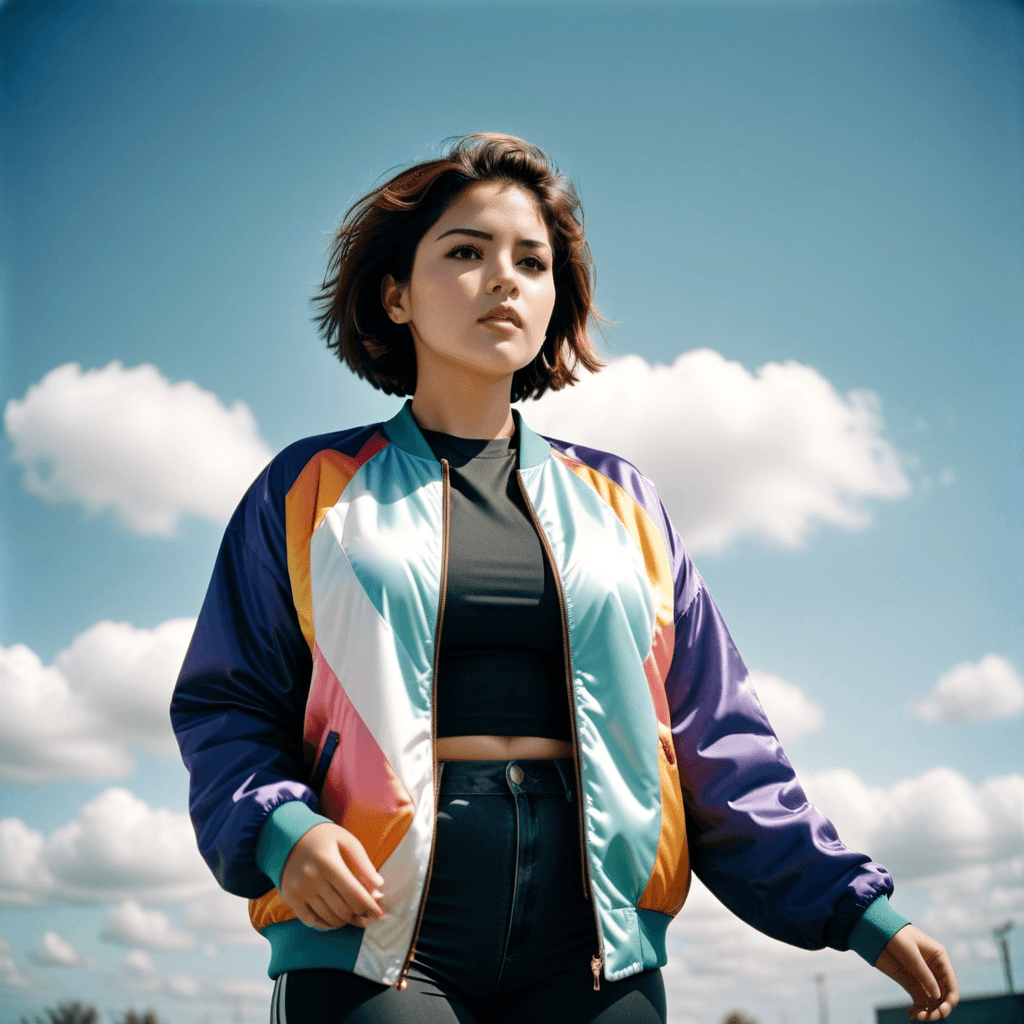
(490, 248)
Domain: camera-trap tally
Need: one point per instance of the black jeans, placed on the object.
(507, 934)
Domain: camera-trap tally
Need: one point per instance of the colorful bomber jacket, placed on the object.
(306, 695)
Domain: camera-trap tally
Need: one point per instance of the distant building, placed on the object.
(976, 1010)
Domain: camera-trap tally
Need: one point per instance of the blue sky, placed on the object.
(817, 184)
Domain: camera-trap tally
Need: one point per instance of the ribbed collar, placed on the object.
(403, 430)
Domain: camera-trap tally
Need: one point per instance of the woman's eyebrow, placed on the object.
(528, 242)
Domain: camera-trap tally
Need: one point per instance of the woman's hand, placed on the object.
(329, 880)
(921, 966)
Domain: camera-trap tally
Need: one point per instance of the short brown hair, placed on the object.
(379, 235)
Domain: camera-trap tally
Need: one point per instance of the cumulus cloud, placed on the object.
(255, 989)
(974, 692)
(925, 825)
(792, 713)
(129, 924)
(223, 917)
(46, 731)
(125, 677)
(184, 986)
(24, 880)
(138, 961)
(109, 690)
(718, 965)
(972, 880)
(968, 903)
(53, 951)
(11, 976)
(767, 454)
(131, 441)
(117, 848)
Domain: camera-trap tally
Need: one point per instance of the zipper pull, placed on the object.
(596, 963)
(403, 978)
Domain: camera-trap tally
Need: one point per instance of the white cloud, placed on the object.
(718, 964)
(11, 976)
(221, 916)
(966, 903)
(109, 690)
(925, 825)
(119, 847)
(129, 924)
(53, 951)
(246, 988)
(792, 713)
(974, 692)
(733, 453)
(138, 961)
(130, 440)
(125, 676)
(24, 881)
(184, 986)
(45, 731)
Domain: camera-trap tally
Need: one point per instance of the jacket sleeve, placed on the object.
(239, 701)
(755, 840)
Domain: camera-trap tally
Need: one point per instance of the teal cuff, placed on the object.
(873, 931)
(281, 831)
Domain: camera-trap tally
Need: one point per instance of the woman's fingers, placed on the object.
(358, 860)
(312, 917)
(346, 889)
(921, 966)
(945, 977)
(355, 879)
(320, 885)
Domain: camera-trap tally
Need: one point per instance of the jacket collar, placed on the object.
(403, 430)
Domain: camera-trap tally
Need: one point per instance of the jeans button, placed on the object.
(515, 773)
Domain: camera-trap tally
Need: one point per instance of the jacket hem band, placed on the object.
(297, 947)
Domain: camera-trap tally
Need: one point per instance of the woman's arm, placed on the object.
(754, 838)
(238, 705)
(238, 713)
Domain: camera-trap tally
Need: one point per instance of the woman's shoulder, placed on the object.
(262, 508)
(611, 466)
(285, 468)
(616, 477)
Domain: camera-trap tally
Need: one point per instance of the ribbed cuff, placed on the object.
(873, 931)
(281, 831)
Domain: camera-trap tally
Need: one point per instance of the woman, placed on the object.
(459, 712)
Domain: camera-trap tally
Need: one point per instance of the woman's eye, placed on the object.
(535, 263)
(460, 252)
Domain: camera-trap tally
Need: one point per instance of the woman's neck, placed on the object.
(475, 414)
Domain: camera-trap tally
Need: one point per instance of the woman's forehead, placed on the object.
(496, 202)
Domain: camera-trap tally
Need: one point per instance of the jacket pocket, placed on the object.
(316, 782)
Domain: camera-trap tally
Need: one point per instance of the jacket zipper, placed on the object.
(403, 980)
(596, 961)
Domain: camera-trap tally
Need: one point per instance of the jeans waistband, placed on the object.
(483, 778)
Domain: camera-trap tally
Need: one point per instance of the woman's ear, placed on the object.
(393, 298)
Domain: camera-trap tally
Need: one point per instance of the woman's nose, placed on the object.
(502, 277)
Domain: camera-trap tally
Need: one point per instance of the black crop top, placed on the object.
(502, 666)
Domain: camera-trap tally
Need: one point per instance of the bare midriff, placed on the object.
(501, 748)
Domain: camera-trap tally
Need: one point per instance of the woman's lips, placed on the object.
(503, 312)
